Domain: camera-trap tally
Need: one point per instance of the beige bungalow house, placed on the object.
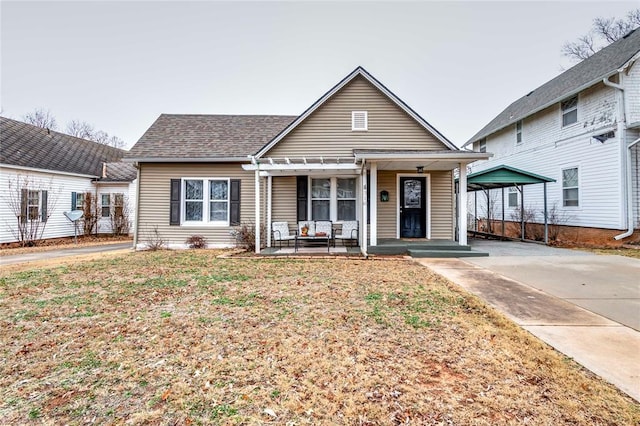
(358, 153)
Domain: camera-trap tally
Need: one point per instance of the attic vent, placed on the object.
(359, 120)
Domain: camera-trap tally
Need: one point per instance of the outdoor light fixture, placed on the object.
(420, 169)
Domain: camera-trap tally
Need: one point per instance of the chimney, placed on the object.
(104, 170)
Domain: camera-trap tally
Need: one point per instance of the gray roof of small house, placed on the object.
(579, 77)
(120, 172)
(207, 137)
(25, 145)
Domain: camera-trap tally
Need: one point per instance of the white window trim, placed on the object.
(102, 206)
(519, 132)
(333, 197)
(38, 217)
(513, 190)
(563, 112)
(562, 187)
(353, 121)
(206, 203)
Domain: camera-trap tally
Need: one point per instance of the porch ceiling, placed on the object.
(412, 159)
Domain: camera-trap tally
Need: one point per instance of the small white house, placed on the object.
(582, 130)
(44, 173)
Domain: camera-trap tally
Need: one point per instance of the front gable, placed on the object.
(326, 129)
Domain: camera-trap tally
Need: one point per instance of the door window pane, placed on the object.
(412, 194)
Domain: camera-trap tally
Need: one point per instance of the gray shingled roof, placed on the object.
(120, 172)
(24, 145)
(585, 74)
(177, 136)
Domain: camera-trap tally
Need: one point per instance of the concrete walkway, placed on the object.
(564, 299)
(61, 252)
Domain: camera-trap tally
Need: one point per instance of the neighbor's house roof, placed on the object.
(119, 172)
(583, 75)
(28, 146)
(180, 137)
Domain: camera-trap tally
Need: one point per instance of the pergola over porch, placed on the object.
(363, 161)
(504, 176)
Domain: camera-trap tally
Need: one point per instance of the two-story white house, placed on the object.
(581, 129)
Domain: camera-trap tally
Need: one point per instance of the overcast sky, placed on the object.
(118, 65)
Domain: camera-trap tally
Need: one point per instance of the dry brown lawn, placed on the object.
(188, 338)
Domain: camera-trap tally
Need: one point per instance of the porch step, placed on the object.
(446, 253)
(403, 248)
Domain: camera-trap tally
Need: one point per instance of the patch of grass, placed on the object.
(317, 341)
(34, 413)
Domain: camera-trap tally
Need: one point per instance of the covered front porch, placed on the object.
(398, 197)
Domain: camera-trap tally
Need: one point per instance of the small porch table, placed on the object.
(315, 238)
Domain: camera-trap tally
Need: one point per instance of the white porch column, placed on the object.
(462, 205)
(373, 238)
(257, 221)
(363, 223)
(269, 208)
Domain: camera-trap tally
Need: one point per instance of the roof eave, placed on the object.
(243, 159)
(458, 155)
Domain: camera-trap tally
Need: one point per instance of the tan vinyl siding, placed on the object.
(388, 211)
(284, 200)
(441, 204)
(442, 210)
(327, 132)
(155, 197)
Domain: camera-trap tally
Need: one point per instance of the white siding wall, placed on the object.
(631, 83)
(104, 223)
(58, 187)
(547, 149)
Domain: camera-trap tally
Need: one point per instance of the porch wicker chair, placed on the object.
(280, 232)
(349, 232)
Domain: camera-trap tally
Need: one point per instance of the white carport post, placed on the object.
(462, 210)
(373, 213)
(257, 220)
(363, 234)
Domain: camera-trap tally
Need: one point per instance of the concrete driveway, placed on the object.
(586, 306)
(13, 259)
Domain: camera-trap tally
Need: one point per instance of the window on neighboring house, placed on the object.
(570, 192)
(33, 205)
(321, 199)
(359, 120)
(513, 196)
(105, 205)
(215, 210)
(569, 111)
(118, 205)
(80, 201)
(519, 131)
(346, 194)
(482, 145)
(333, 199)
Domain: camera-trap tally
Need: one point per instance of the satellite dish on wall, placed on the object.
(74, 216)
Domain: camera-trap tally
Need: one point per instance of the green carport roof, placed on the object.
(502, 177)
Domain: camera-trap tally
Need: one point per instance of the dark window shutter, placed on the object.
(302, 194)
(174, 207)
(43, 210)
(74, 200)
(234, 202)
(24, 197)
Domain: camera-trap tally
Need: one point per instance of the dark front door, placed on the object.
(412, 207)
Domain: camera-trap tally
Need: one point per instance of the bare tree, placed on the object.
(120, 215)
(84, 130)
(31, 202)
(41, 118)
(603, 32)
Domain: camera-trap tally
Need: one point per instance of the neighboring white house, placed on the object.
(582, 129)
(45, 173)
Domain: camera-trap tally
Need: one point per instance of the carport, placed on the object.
(501, 177)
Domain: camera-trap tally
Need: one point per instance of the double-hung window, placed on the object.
(214, 209)
(519, 131)
(105, 200)
(333, 199)
(513, 196)
(569, 111)
(570, 192)
(80, 201)
(33, 205)
(482, 145)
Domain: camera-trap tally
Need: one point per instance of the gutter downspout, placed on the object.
(629, 194)
(625, 154)
(137, 218)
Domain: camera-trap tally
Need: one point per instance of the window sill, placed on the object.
(205, 224)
